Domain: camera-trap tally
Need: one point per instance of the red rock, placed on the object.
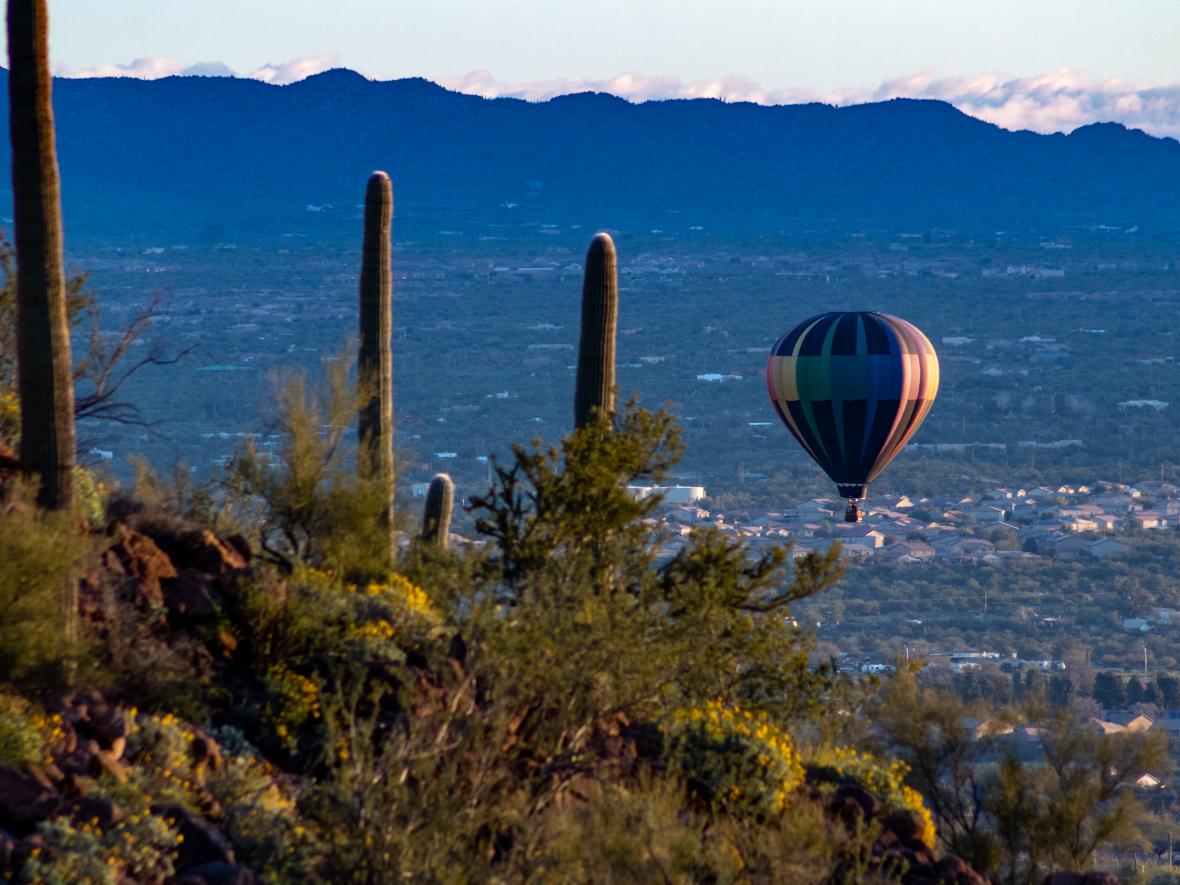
(217, 873)
(853, 805)
(952, 869)
(144, 562)
(203, 843)
(24, 849)
(199, 549)
(9, 464)
(242, 544)
(89, 809)
(25, 799)
(206, 754)
(192, 595)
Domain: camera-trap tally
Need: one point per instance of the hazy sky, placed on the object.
(1046, 65)
(818, 45)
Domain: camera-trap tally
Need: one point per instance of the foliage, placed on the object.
(310, 509)
(643, 832)
(563, 628)
(40, 558)
(1013, 815)
(573, 566)
(733, 758)
(885, 779)
(22, 737)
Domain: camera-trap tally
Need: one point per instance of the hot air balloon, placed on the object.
(852, 387)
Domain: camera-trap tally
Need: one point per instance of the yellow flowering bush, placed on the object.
(378, 619)
(294, 702)
(884, 779)
(261, 815)
(9, 416)
(160, 748)
(141, 848)
(23, 734)
(734, 757)
(91, 496)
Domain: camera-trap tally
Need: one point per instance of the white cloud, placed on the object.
(150, 69)
(297, 69)
(156, 67)
(1058, 101)
(633, 86)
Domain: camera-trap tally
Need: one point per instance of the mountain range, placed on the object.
(222, 158)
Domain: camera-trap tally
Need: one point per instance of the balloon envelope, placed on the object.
(852, 387)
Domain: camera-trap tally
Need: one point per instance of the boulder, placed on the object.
(26, 848)
(7, 847)
(90, 809)
(215, 873)
(242, 544)
(192, 595)
(955, 871)
(9, 465)
(853, 805)
(205, 753)
(25, 799)
(144, 564)
(203, 843)
(199, 549)
(907, 826)
(1080, 879)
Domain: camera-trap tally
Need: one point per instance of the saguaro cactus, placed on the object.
(436, 518)
(375, 361)
(595, 384)
(45, 373)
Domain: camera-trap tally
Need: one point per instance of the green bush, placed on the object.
(735, 759)
(22, 737)
(307, 504)
(40, 558)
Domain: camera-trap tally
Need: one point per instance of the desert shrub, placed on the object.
(70, 854)
(520, 658)
(643, 832)
(309, 503)
(40, 558)
(293, 703)
(1017, 812)
(734, 759)
(23, 735)
(171, 502)
(102, 367)
(262, 816)
(140, 848)
(257, 803)
(576, 620)
(886, 779)
(91, 491)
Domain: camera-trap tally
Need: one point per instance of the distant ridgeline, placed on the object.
(215, 159)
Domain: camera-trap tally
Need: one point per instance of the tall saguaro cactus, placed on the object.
(45, 374)
(595, 384)
(375, 361)
(436, 518)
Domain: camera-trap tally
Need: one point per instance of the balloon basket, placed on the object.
(852, 512)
